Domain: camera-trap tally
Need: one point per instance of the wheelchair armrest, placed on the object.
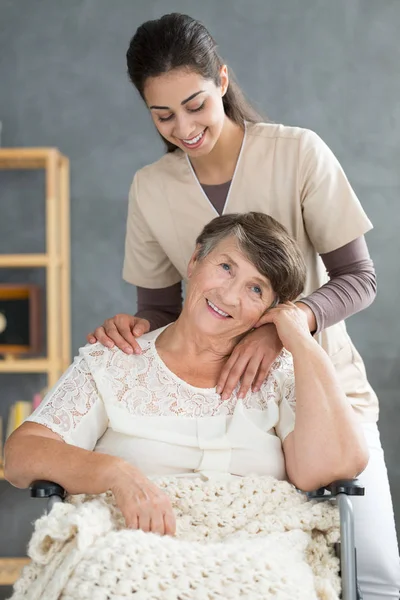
(46, 489)
(350, 487)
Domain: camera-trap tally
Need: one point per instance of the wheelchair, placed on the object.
(339, 491)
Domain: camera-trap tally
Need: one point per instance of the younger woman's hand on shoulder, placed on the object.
(250, 362)
(291, 324)
(121, 331)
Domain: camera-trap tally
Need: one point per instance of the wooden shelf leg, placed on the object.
(52, 287)
(64, 228)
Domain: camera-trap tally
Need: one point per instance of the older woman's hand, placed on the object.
(121, 331)
(250, 361)
(291, 322)
(143, 505)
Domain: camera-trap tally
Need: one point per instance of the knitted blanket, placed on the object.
(251, 538)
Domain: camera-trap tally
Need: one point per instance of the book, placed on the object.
(11, 421)
(23, 408)
(17, 414)
(37, 398)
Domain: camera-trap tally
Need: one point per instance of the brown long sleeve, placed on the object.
(159, 306)
(351, 288)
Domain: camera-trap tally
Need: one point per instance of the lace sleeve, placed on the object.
(282, 373)
(74, 408)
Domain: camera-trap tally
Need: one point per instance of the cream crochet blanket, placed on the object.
(253, 538)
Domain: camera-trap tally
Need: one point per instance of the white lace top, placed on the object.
(134, 407)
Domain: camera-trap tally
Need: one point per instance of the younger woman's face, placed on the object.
(187, 109)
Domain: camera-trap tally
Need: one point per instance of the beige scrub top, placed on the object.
(286, 172)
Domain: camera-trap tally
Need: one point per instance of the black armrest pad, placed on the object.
(45, 489)
(350, 487)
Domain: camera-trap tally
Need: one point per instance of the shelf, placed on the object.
(25, 365)
(10, 569)
(27, 158)
(56, 259)
(23, 260)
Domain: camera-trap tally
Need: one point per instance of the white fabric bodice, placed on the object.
(134, 407)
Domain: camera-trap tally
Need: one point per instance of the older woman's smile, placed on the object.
(216, 311)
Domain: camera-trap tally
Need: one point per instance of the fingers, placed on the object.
(225, 372)
(124, 339)
(157, 522)
(262, 374)
(100, 335)
(121, 331)
(144, 519)
(249, 375)
(150, 512)
(129, 328)
(132, 522)
(116, 339)
(169, 523)
(234, 376)
(270, 317)
(142, 326)
(274, 313)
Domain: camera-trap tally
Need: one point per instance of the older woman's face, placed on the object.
(226, 293)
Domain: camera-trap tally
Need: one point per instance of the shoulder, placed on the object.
(277, 131)
(148, 339)
(98, 357)
(283, 364)
(290, 137)
(151, 176)
(280, 377)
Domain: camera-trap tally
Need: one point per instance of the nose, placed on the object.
(185, 128)
(230, 293)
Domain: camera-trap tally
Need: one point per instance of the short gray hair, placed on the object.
(265, 243)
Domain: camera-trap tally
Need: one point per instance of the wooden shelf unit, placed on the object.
(10, 569)
(56, 261)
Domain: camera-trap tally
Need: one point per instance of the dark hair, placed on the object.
(266, 244)
(177, 41)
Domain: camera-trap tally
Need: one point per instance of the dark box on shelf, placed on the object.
(20, 319)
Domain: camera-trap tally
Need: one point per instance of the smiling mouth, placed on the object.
(194, 140)
(218, 310)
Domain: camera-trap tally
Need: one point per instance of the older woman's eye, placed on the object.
(225, 266)
(257, 289)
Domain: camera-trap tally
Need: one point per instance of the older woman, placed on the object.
(115, 420)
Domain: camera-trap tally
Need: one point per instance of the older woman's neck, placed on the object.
(193, 356)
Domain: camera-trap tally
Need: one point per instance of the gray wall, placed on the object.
(331, 66)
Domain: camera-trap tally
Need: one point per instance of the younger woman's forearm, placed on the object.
(157, 318)
(159, 306)
(327, 437)
(30, 457)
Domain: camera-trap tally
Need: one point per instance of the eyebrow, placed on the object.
(182, 103)
(257, 279)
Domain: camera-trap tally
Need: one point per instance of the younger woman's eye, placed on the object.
(197, 109)
(257, 289)
(164, 119)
